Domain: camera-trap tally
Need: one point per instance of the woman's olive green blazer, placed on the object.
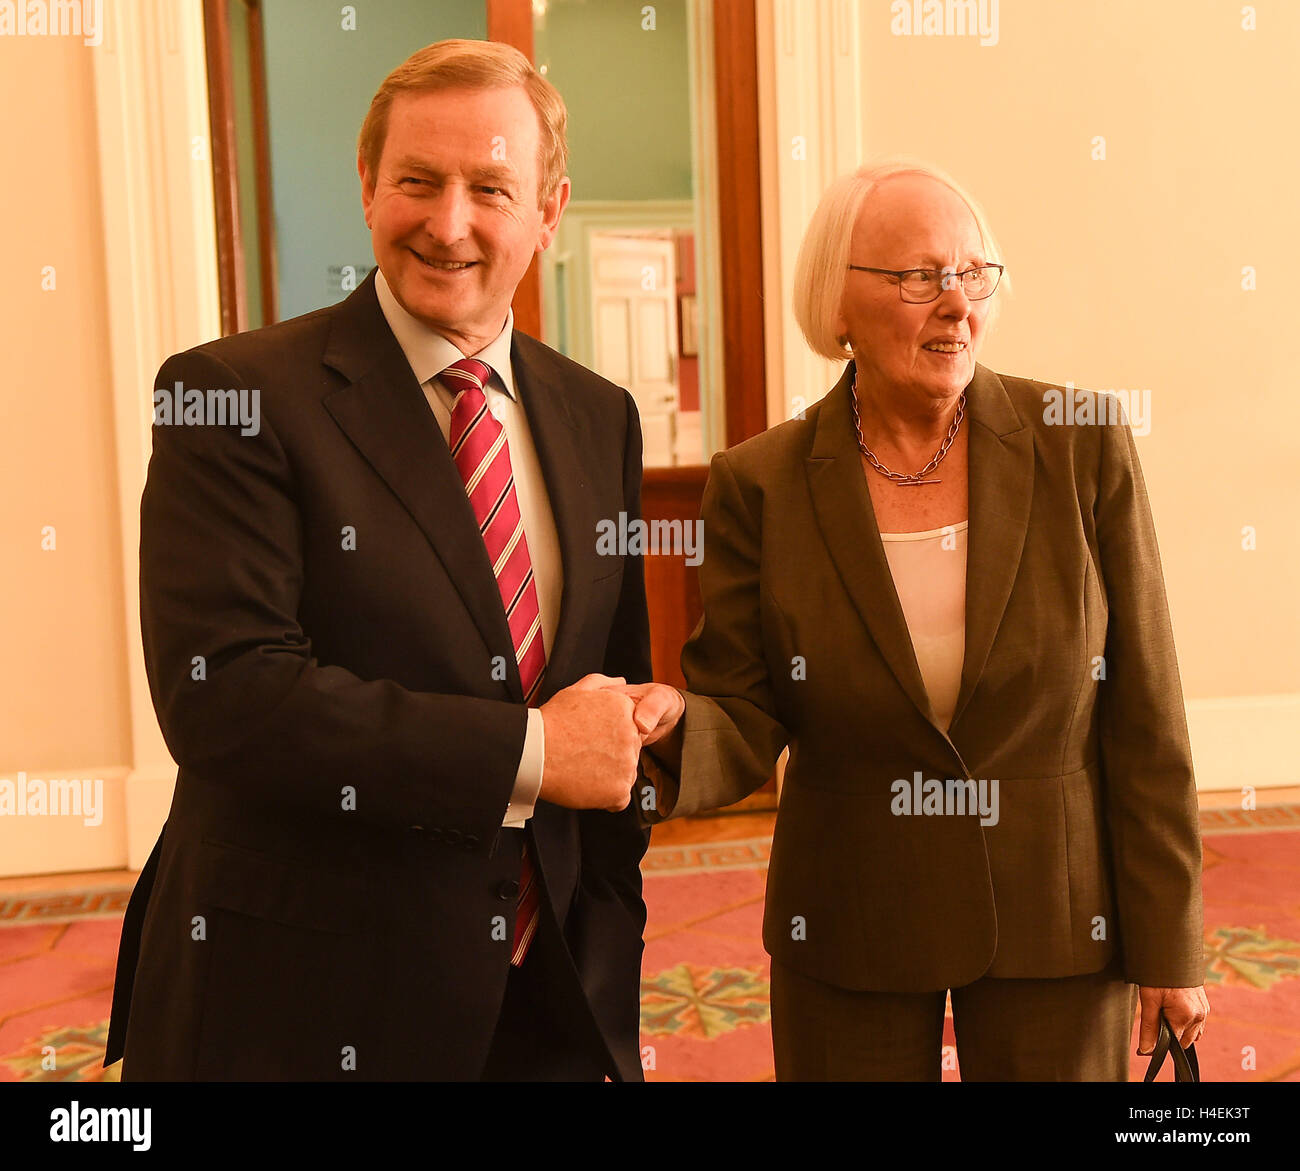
(1070, 699)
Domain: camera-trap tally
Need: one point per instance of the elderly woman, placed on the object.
(949, 605)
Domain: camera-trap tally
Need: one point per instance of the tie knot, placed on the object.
(467, 374)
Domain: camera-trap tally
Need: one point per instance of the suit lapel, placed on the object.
(1001, 459)
(384, 413)
(1001, 469)
(847, 521)
(545, 399)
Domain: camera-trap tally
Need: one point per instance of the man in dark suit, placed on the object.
(376, 628)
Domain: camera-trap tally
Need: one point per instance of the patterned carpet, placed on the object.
(704, 1002)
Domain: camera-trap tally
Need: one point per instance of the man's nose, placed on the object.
(447, 215)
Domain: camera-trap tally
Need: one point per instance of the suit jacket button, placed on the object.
(508, 890)
(471, 840)
(435, 834)
(451, 837)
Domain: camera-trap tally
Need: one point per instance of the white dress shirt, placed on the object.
(429, 354)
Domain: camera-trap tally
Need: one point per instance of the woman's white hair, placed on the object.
(821, 270)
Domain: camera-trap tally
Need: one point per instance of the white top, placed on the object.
(429, 354)
(929, 571)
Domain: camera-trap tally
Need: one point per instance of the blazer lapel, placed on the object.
(1001, 472)
(545, 399)
(384, 413)
(1001, 460)
(847, 521)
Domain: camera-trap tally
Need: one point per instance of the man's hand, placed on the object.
(592, 746)
(1185, 1009)
(658, 708)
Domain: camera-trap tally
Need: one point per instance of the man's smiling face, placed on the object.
(453, 208)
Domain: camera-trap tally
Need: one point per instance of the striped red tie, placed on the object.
(478, 446)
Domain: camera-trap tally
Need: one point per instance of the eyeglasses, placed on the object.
(919, 286)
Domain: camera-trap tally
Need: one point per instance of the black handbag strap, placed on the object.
(1186, 1067)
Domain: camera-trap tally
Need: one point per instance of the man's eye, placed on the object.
(413, 180)
(492, 190)
(923, 275)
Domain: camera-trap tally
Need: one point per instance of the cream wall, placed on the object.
(1128, 271)
(63, 701)
(60, 610)
(110, 185)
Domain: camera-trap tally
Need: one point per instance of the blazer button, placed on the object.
(508, 890)
(471, 840)
(451, 837)
(435, 834)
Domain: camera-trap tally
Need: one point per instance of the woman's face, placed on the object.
(913, 221)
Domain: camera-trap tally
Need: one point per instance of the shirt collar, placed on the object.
(429, 353)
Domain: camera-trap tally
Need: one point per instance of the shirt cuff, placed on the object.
(528, 780)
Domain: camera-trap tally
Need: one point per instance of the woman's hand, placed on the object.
(658, 708)
(1185, 1009)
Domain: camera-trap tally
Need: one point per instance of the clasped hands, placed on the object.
(595, 730)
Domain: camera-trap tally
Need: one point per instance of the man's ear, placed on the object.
(552, 209)
(367, 187)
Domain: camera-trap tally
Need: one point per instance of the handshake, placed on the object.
(595, 731)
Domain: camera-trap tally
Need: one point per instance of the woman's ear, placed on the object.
(842, 330)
